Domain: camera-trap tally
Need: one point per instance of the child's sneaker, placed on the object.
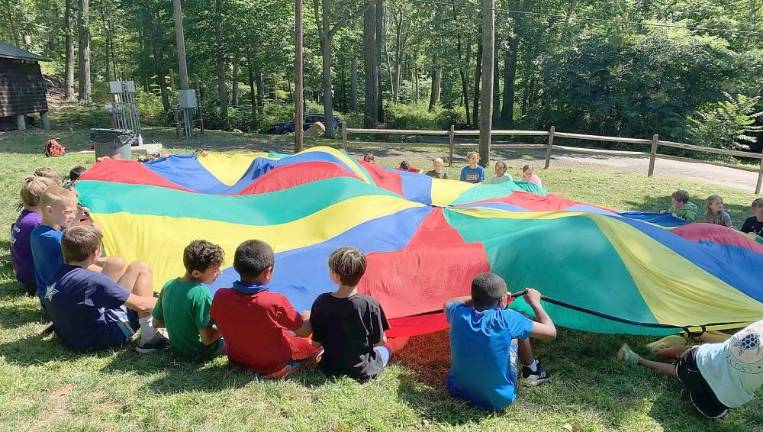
(627, 355)
(672, 341)
(157, 343)
(537, 377)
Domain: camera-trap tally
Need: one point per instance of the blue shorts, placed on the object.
(514, 361)
(384, 353)
(122, 323)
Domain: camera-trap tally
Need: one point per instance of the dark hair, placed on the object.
(201, 255)
(76, 172)
(487, 290)
(252, 258)
(502, 163)
(680, 196)
(757, 203)
(349, 263)
(79, 241)
(368, 157)
(404, 165)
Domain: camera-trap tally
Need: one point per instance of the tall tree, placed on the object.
(222, 88)
(85, 85)
(371, 68)
(379, 48)
(69, 61)
(488, 43)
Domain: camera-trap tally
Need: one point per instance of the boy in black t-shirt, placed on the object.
(349, 326)
(754, 224)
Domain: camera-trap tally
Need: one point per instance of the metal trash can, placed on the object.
(112, 142)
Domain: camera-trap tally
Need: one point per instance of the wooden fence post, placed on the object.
(451, 144)
(653, 154)
(344, 135)
(760, 177)
(549, 143)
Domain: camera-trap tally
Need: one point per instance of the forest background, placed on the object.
(689, 70)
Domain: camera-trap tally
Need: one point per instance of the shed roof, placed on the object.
(13, 52)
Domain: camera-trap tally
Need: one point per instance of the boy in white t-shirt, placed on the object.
(718, 376)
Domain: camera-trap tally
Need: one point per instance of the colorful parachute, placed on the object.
(601, 271)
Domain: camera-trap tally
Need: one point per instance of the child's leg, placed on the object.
(113, 267)
(525, 352)
(665, 368)
(713, 336)
(137, 280)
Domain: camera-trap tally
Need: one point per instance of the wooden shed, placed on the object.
(22, 88)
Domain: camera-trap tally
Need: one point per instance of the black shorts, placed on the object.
(702, 396)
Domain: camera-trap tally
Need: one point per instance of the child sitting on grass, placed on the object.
(60, 211)
(472, 173)
(438, 169)
(89, 310)
(262, 330)
(49, 173)
(681, 207)
(501, 174)
(405, 166)
(717, 376)
(486, 339)
(754, 224)
(715, 213)
(21, 231)
(74, 175)
(529, 176)
(349, 326)
(184, 304)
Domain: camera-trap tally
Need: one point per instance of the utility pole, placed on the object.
(180, 40)
(488, 57)
(298, 92)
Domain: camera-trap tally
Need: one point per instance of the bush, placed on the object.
(418, 116)
(151, 109)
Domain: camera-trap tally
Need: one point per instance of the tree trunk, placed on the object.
(234, 92)
(488, 42)
(156, 45)
(85, 86)
(354, 83)
(371, 69)
(108, 45)
(462, 72)
(177, 13)
(328, 97)
(496, 92)
(260, 88)
(416, 81)
(379, 47)
(477, 77)
(434, 95)
(222, 89)
(510, 73)
(398, 58)
(69, 68)
(252, 93)
(343, 84)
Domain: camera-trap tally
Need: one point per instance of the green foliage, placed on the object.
(726, 124)
(418, 116)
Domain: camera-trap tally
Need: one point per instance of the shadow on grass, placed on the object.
(36, 349)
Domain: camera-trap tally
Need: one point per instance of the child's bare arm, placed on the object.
(208, 335)
(306, 329)
(543, 328)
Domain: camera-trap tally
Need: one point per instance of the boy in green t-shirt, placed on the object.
(681, 207)
(184, 303)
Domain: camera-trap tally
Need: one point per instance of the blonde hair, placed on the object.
(49, 173)
(33, 188)
(709, 215)
(56, 194)
(438, 160)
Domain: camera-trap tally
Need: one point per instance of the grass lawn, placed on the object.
(45, 387)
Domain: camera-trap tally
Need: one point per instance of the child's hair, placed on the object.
(680, 196)
(472, 153)
(368, 157)
(438, 160)
(49, 173)
(33, 189)
(527, 168)
(487, 290)
(79, 242)
(76, 172)
(201, 255)
(55, 194)
(757, 203)
(404, 165)
(349, 264)
(501, 163)
(252, 257)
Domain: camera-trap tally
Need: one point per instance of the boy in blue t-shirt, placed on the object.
(486, 339)
(59, 211)
(473, 173)
(91, 311)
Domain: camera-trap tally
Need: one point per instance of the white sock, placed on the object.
(147, 330)
(533, 366)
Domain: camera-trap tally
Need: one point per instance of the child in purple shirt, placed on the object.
(21, 230)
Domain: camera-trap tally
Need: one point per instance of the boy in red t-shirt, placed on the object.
(260, 327)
